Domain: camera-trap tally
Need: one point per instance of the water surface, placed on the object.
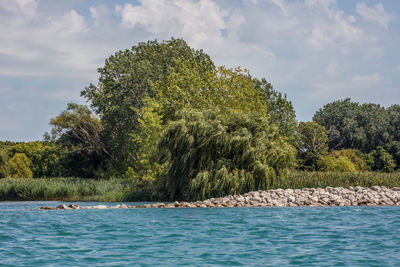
(301, 236)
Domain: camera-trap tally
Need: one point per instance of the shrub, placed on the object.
(336, 163)
(355, 156)
(19, 166)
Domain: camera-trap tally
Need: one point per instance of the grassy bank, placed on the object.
(299, 179)
(76, 189)
(72, 189)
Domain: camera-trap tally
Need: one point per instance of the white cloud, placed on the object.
(377, 14)
(18, 12)
(375, 77)
(196, 21)
(312, 50)
(69, 24)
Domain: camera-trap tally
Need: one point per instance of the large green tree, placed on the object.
(175, 76)
(125, 79)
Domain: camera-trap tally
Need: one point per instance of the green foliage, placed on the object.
(279, 110)
(45, 157)
(214, 155)
(331, 163)
(147, 173)
(232, 90)
(19, 166)
(380, 160)
(227, 90)
(356, 157)
(351, 125)
(4, 171)
(176, 77)
(393, 145)
(79, 133)
(312, 144)
(126, 79)
(363, 127)
(344, 160)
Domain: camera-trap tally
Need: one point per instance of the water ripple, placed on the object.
(339, 236)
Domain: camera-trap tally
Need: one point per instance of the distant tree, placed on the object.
(339, 119)
(79, 131)
(393, 146)
(45, 157)
(350, 125)
(4, 170)
(19, 166)
(380, 160)
(312, 144)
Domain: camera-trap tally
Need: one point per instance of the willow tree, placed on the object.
(212, 154)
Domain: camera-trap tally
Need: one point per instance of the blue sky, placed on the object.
(314, 51)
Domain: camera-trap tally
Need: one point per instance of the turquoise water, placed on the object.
(329, 236)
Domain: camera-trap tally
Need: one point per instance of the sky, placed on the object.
(314, 51)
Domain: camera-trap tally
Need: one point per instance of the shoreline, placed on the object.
(306, 197)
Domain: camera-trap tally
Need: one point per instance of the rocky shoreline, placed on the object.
(311, 197)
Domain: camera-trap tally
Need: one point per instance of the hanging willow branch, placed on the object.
(213, 155)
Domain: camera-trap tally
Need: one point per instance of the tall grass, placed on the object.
(76, 189)
(303, 179)
(72, 189)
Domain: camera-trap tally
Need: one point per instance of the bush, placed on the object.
(336, 163)
(19, 166)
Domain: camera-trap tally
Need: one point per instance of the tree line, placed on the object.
(164, 117)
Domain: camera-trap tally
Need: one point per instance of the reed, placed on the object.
(69, 189)
(304, 179)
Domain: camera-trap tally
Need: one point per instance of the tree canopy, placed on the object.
(125, 79)
(363, 127)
